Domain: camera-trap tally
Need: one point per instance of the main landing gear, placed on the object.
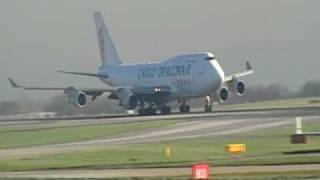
(152, 109)
(165, 110)
(184, 108)
(147, 112)
(208, 104)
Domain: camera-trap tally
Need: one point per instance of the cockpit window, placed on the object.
(209, 58)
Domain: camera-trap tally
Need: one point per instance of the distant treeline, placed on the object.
(60, 105)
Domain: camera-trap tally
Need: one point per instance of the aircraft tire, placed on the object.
(184, 109)
(207, 108)
(165, 110)
(147, 112)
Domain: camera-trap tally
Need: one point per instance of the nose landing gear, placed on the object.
(208, 104)
(184, 108)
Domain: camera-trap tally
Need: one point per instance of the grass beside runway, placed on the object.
(12, 136)
(264, 147)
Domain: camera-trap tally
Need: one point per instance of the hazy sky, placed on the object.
(281, 38)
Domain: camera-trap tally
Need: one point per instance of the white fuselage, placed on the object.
(188, 75)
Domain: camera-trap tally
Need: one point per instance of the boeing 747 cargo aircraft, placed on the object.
(148, 88)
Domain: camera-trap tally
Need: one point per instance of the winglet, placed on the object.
(13, 84)
(248, 66)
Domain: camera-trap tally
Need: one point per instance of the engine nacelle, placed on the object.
(76, 97)
(239, 87)
(223, 94)
(127, 99)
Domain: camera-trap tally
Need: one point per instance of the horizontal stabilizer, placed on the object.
(85, 74)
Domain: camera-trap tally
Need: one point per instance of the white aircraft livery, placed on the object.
(148, 88)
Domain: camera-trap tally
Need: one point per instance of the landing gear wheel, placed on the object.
(141, 112)
(208, 104)
(147, 112)
(207, 108)
(184, 108)
(165, 110)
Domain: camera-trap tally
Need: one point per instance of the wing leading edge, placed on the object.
(88, 91)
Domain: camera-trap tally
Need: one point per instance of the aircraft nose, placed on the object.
(219, 73)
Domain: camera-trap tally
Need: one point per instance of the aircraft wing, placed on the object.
(234, 76)
(89, 91)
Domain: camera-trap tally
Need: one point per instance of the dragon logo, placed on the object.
(101, 42)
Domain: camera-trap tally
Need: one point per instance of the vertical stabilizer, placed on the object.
(108, 52)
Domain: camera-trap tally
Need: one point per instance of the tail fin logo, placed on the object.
(101, 43)
(108, 52)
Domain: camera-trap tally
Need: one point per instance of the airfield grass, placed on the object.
(284, 103)
(12, 137)
(263, 148)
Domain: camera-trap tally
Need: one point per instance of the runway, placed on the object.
(226, 114)
(192, 125)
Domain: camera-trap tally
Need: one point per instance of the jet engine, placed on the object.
(76, 97)
(127, 99)
(223, 94)
(238, 87)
